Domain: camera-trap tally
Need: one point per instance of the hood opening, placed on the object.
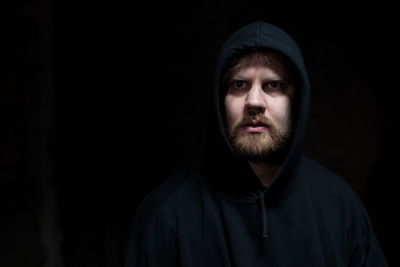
(220, 155)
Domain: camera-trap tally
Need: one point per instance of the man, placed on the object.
(254, 200)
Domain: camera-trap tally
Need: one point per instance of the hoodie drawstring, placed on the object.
(263, 217)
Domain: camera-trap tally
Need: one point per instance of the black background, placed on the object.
(101, 102)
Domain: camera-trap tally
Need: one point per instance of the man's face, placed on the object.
(258, 105)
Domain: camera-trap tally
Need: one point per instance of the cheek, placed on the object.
(281, 110)
(233, 110)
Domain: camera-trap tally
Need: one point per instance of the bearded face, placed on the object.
(258, 105)
(256, 137)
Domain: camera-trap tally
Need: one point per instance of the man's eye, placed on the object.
(239, 84)
(274, 85)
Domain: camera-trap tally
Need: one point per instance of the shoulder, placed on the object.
(162, 195)
(332, 195)
(323, 183)
(153, 225)
(320, 176)
(338, 206)
(161, 202)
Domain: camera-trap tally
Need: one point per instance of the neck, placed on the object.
(264, 171)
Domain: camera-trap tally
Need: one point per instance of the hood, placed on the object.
(260, 35)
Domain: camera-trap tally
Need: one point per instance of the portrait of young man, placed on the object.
(255, 200)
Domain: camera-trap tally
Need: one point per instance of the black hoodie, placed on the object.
(216, 212)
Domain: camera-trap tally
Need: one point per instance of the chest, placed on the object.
(228, 233)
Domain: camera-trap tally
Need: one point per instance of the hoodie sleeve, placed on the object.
(152, 240)
(150, 243)
(366, 251)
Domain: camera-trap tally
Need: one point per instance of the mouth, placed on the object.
(255, 126)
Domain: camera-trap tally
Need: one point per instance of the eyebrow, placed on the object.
(275, 78)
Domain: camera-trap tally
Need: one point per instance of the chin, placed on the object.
(260, 147)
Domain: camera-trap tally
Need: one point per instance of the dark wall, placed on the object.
(102, 102)
(27, 220)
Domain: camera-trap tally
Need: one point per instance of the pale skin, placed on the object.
(264, 89)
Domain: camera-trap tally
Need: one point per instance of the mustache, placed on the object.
(251, 119)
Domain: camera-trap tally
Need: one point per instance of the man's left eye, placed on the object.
(274, 85)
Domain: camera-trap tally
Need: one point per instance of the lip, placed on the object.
(255, 129)
(255, 126)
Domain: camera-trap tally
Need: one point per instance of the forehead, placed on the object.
(272, 63)
(265, 58)
(268, 59)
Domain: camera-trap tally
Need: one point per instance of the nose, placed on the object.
(255, 100)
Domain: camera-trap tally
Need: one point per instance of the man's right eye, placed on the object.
(239, 84)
